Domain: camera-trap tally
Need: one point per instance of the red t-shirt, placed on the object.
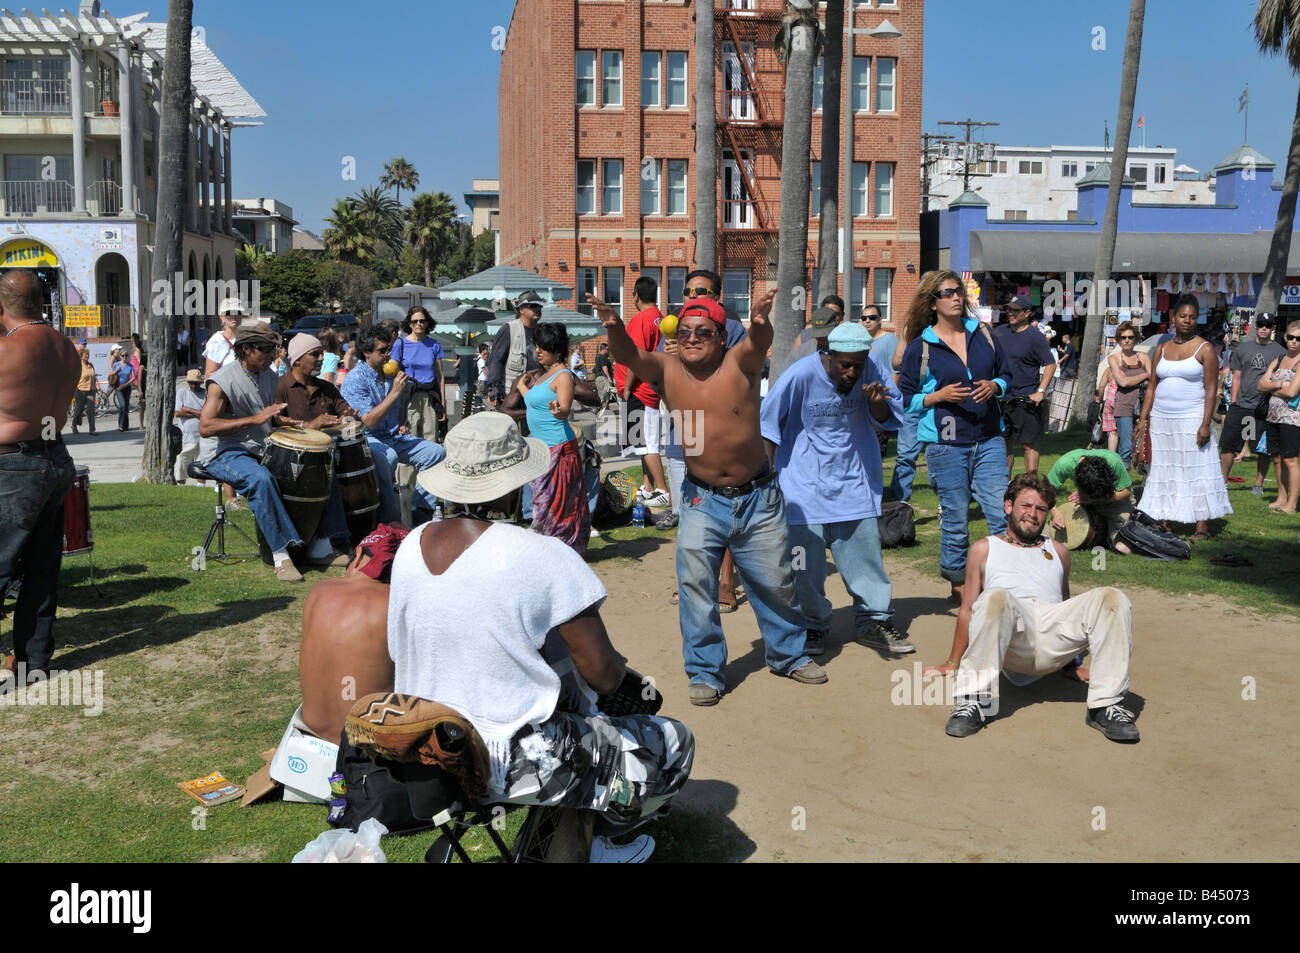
(643, 329)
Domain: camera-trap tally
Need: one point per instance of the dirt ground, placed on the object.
(841, 772)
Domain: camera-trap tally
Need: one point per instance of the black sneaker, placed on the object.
(883, 635)
(1114, 722)
(965, 720)
(814, 642)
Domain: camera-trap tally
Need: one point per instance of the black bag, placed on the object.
(373, 792)
(1144, 537)
(174, 439)
(897, 526)
(1095, 434)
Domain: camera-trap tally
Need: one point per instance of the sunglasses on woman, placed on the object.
(1293, 337)
(1127, 337)
(948, 293)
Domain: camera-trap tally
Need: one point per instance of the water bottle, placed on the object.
(437, 514)
(638, 514)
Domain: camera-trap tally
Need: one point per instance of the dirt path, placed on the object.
(841, 772)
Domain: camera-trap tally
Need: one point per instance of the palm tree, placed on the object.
(798, 44)
(706, 141)
(384, 217)
(399, 174)
(174, 159)
(828, 236)
(1277, 28)
(1090, 353)
(430, 228)
(349, 237)
(251, 258)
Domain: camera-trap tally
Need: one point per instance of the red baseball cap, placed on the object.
(706, 308)
(382, 546)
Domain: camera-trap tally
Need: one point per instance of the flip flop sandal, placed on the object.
(1231, 560)
(1196, 537)
(725, 605)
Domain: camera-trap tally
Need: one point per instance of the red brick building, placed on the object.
(597, 140)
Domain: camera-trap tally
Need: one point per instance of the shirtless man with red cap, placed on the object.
(730, 497)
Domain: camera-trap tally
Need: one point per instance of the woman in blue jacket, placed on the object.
(953, 371)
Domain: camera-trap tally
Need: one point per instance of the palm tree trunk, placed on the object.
(706, 141)
(1090, 352)
(428, 272)
(173, 164)
(1280, 249)
(790, 308)
(828, 236)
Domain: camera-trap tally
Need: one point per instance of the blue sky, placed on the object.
(418, 78)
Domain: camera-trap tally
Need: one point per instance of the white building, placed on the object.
(266, 223)
(80, 111)
(1037, 183)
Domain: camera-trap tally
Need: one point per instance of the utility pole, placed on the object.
(926, 139)
(968, 124)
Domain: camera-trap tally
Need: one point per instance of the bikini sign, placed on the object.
(27, 254)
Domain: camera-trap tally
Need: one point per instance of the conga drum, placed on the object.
(1080, 532)
(358, 481)
(302, 463)
(77, 536)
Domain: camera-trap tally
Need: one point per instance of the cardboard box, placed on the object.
(303, 763)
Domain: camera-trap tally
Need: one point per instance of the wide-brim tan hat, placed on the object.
(487, 457)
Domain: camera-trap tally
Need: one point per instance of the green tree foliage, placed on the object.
(399, 174)
(290, 284)
(348, 237)
(430, 229)
(346, 288)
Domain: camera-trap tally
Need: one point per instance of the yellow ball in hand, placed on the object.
(391, 368)
(668, 326)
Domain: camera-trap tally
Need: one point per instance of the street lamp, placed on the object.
(885, 31)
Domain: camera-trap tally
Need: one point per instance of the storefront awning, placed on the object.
(1135, 252)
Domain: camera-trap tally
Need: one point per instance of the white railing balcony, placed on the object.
(26, 198)
(35, 97)
(104, 198)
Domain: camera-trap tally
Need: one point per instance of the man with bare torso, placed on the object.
(730, 497)
(41, 370)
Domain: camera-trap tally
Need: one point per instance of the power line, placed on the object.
(968, 124)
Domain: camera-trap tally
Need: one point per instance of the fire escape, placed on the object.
(749, 125)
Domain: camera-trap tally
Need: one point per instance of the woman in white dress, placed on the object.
(1185, 484)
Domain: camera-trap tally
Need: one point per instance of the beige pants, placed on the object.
(1037, 638)
(188, 455)
(422, 418)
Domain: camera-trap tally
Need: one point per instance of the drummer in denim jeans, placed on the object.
(952, 371)
(41, 373)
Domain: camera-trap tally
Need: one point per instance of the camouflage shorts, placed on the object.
(573, 760)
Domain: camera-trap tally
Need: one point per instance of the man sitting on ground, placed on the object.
(1017, 615)
(1102, 487)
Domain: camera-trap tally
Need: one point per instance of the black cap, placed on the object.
(1264, 318)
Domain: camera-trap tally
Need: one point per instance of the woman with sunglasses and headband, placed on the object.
(420, 355)
(1281, 383)
(1129, 369)
(952, 371)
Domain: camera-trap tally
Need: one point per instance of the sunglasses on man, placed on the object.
(696, 292)
(703, 334)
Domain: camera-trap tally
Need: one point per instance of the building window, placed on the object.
(586, 182)
(676, 80)
(735, 292)
(884, 189)
(737, 68)
(653, 275)
(649, 80)
(612, 292)
(859, 291)
(1088, 167)
(1031, 167)
(819, 83)
(676, 199)
(859, 187)
(584, 69)
(585, 285)
(861, 84)
(737, 204)
(883, 291)
(1159, 174)
(815, 202)
(650, 186)
(676, 282)
(611, 187)
(1072, 215)
(611, 73)
(991, 167)
(1016, 215)
(1069, 170)
(886, 68)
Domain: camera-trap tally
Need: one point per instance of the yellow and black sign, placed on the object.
(27, 254)
(81, 316)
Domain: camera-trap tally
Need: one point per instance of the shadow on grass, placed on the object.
(151, 626)
(75, 591)
(634, 548)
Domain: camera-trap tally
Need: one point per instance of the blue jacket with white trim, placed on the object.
(965, 423)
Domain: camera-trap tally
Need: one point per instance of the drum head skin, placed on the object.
(300, 438)
(1078, 532)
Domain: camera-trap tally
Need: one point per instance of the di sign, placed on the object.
(1291, 292)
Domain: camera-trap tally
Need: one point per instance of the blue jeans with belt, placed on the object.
(855, 545)
(33, 484)
(123, 397)
(753, 526)
(957, 473)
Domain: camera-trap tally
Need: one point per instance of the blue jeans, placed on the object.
(242, 470)
(416, 452)
(1124, 427)
(909, 450)
(385, 463)
(956, 474)
(753, 526)
(123, 397)
(855, 544)
(33, 484)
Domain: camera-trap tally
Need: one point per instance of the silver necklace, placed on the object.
(27, 325)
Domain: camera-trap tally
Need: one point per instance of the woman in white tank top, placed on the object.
(1185, 484)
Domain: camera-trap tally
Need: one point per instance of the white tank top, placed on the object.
(1180, 390)
(1033, 573)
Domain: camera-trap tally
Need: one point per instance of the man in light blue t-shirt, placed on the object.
(820, 422)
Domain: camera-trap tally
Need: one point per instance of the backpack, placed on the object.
(925, 353)
(1145, 538)
(896, 524)
(373, 792)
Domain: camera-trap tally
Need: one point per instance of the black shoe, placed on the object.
(965, 720)
(1114, 722)
(668, 522)
(814, 642)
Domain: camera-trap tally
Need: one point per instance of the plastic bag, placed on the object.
(346, 847)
